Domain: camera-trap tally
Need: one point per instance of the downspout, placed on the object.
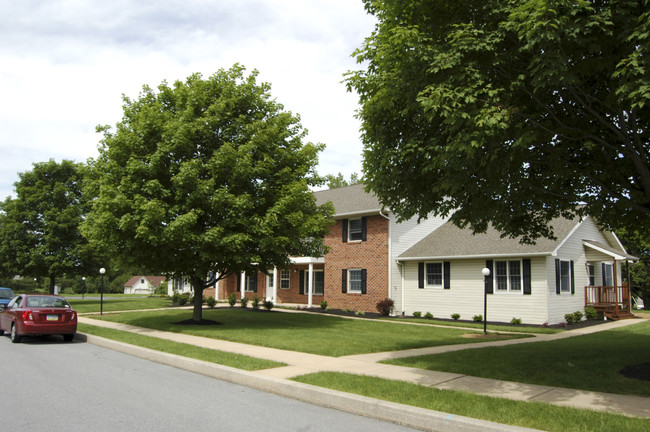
(401, 272)
(390, 254)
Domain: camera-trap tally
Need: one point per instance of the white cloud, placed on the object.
(64, 65)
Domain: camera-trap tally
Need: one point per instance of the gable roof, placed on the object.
(449, 241)
(350, 200)
(153, 280)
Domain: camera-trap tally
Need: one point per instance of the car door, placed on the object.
(7, 313)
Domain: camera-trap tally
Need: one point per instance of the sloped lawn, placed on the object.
(591, 362)
(310, 333)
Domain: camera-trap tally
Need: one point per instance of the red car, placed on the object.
(38, 315)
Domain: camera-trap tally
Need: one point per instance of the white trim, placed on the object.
(616, 256)
(361, 213)
(307, 260)
(454, 257)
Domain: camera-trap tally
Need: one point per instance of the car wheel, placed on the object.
(15, 337)
(68, 337)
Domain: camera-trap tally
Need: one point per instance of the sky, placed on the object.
(65, 64)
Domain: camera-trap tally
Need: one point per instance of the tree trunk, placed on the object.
(197, 285)
(52, 283)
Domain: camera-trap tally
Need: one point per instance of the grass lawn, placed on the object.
(305, 332)
(479, 326)
(526, 414)
(115, 303)
(590, 362)
(213, 356)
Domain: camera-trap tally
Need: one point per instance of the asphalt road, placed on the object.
(47, 385)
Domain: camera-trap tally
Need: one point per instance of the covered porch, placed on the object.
(611, 297)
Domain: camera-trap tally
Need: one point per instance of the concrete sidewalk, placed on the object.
(366, 364)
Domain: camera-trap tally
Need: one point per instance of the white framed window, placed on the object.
(250, 282)
(269, 280)
(508, 276)
(355, 230)
(434, 274)
(565, 276)
(355, 280)
(285, 277)
(318, 283)
(591, 272)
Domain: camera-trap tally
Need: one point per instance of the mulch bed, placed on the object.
(204, 322)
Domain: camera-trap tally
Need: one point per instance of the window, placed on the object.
(269, 280)
(434, 274)
(250, 282)
(354, 281)
(355, 230)
(285, 276)
(507, 276)
(564, 279)
(318, 282)
(591, 271)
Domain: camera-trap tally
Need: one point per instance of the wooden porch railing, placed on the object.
(614, 301)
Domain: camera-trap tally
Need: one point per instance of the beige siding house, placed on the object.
(540, 283)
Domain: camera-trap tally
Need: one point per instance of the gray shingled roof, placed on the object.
(349, 200)
(450, 241)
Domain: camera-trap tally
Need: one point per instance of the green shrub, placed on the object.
(174, 297)
(232, 299)
(256, 302)
(515, 321)
(385, 306)
(428, 315)
(268, 304)
(569, 318)
(577, 316)
(591, 313)
(211, 302)
(417, 314)
(183, 299)
(323, 305)
(244, 302)
(455, 316)
(477, 318)
(359, 313)
(348, 310)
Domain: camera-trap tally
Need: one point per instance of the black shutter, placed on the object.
(364, 228)
(447, 275)
(254, 282)
(238, 281)
(573, 282)
(604, 274)
(302, 282)
(364, 275)
(558, 277)
(527, 276)
(344, 281)
(345, 230)
(420, 275)
(489, 286)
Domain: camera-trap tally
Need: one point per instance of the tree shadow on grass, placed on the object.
(203, 322)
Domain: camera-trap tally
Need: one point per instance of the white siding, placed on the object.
(465, 296)
(402, 236)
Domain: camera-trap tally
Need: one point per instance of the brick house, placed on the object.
(357, 271)
(433, 266)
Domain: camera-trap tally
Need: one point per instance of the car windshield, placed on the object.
(45, 301)
(6, 293)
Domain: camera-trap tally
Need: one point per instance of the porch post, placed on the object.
(274, 299)
(629, 287)
(242, 284)
(615, 289)
(310, 284)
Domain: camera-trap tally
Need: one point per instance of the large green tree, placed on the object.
(509, 112)
(639, 246)
(207, 178)
(39, 229)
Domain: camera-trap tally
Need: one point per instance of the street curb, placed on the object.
(414, 417)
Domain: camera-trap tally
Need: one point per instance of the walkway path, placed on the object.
(367, 364)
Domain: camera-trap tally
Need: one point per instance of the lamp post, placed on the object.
(101, 301)
(83, 287)
(34, 285)
(486, 273)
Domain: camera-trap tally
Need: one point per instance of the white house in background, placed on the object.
(143, 284)
(442, 274)
(179, 285)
